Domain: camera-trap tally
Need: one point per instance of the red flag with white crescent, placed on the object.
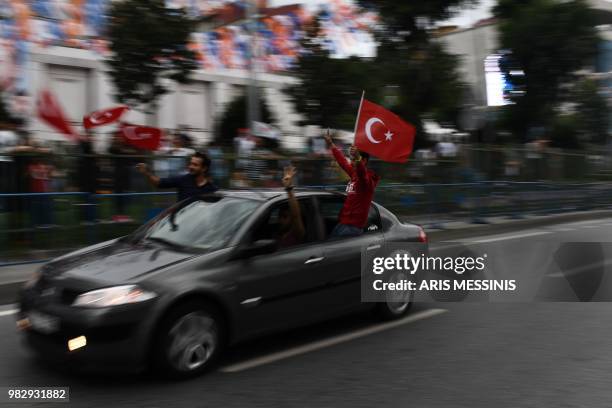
(104, 116)
(50, 111)
(142, 137)
(383, 134)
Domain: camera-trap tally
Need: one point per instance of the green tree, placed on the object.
(235, 117)
(411, 74)
(148, 43)
(409, 21)
(550, 41)
(331, 88)
(592, 112)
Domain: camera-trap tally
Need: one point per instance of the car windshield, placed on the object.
(205, 224)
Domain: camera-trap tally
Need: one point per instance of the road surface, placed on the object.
(470, 354)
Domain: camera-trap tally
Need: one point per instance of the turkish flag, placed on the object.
(50, 111)
(383, 134)
(104, 116)
(142, 137)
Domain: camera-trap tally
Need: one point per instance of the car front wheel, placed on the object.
(190, 341)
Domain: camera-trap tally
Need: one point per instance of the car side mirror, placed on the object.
(259, 247)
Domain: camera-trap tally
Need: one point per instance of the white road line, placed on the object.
(482, 239)
(508, 237)
(8, 312)
(332, 341)
(443, 247)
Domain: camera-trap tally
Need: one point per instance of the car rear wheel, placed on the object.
(397, 302)
(190, 341)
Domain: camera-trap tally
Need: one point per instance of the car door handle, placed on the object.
(251, 302)
(313, 260)
(373, 247)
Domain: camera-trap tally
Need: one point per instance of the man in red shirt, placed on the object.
(360, 191)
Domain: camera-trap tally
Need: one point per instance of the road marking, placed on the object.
(483, 239)
(332, 341)
(8, 312)
(508, 237)
(443, 247)
(580, 269)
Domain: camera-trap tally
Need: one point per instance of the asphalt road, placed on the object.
(470, 354)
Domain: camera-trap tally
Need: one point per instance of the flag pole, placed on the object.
(357, 120)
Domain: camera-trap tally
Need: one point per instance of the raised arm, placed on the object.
(340, 159)
(297, 225)
(144, 169)
(360, 169)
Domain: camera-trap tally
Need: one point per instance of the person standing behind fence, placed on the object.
(180, 153)
(87, 176)
(197, 180)
(258, 163)
(122, 177)
(40, 172)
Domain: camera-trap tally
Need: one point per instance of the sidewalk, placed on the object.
(13, 276)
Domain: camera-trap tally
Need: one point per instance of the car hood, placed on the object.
(117, 261)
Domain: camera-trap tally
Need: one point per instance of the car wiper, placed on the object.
(166, 242)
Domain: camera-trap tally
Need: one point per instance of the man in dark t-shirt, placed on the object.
(194, 183)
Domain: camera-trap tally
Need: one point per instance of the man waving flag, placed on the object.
(383, 134)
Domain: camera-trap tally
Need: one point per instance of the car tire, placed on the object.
(189, 341)
(397, 304)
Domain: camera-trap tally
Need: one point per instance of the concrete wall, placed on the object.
(80, 81)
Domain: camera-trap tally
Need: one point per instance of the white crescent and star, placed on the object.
(368, 129)
(131, 132)
(99, 117)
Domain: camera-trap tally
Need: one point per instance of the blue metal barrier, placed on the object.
(83, 218)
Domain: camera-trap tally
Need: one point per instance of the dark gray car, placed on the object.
(204, 274)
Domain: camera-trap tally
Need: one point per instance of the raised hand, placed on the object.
(354, 152)
(289, 173)
(142, 168)
(328, 139)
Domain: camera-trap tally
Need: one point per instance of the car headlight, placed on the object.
(113, 296)
(34, 278)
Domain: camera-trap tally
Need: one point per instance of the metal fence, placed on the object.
(42, 225)
(117, 174)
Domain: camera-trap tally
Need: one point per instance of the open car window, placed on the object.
(330, 211)
(271, 226)
(203, 224)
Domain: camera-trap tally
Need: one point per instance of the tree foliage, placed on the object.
(331, 88)
(411, 74)
(235, 117)
(550, 41)
(409, 20)
(592, 112)
(148, 43)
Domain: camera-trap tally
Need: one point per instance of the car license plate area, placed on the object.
(43, 323)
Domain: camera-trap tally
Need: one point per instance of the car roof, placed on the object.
(267, 194)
